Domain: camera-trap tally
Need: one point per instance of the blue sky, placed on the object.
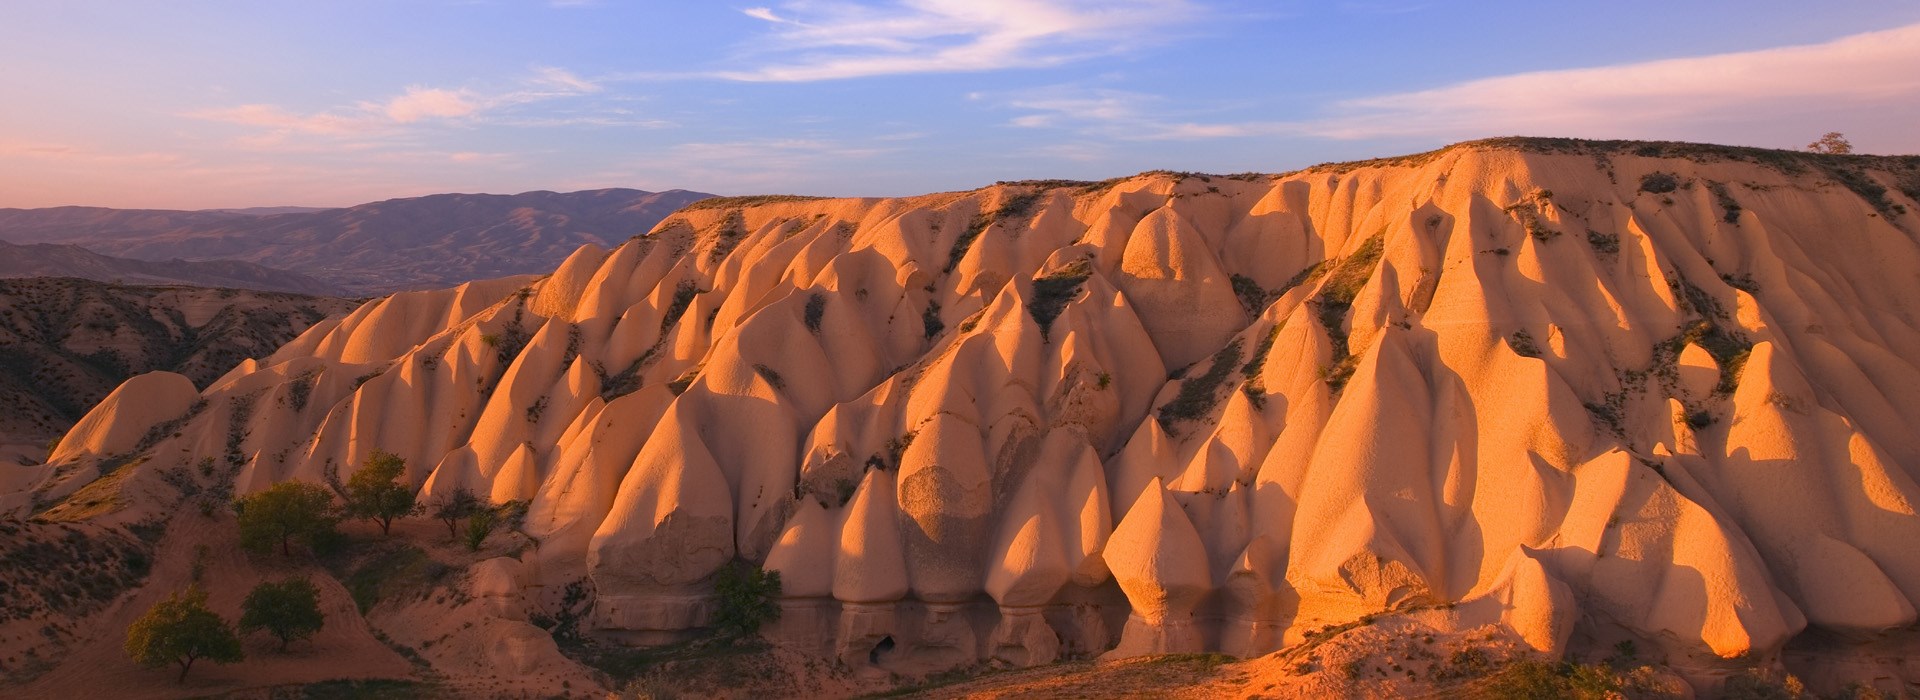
(192, 104)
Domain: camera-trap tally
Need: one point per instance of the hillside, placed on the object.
(53, 260)
(376, 248)
(1646, 402)
(66, 343)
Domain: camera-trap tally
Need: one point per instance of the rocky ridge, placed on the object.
(1577, 393)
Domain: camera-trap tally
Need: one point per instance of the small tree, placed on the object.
(289, 609)
(479, 526)
(181, 630)
(462, 504)
(376, 493)
(748, 598)
(1832, 142)
(289, 510)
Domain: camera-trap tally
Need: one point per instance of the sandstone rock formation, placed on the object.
(1503, 384)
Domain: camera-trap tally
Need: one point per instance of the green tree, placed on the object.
(1832, 142)
(181, 630)
(376, 492)
(748, 598)
(462, 504)
(289, 609)
(289, 510)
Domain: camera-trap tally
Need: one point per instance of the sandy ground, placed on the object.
(99, 667)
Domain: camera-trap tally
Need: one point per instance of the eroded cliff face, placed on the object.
(1586, 393)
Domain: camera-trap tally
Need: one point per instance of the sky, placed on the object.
(193, 104)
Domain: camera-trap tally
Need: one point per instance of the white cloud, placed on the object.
(828, 39)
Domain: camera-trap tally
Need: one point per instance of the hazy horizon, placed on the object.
(206, 106)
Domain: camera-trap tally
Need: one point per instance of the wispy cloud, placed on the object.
(828, 40)
(416, 105)
(1877, 69)
(1731, 96)
(1122, 115)
(744, 166)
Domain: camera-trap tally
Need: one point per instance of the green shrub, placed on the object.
(479, 526)
(1659, 183)
(747, 598)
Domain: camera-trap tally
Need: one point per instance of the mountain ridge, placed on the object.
(67, 260)
(378, 247)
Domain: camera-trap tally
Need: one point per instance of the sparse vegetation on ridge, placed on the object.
(1053, 291)
(1335, 300)
(1198, 395)
(744, 201)
(1015, 208)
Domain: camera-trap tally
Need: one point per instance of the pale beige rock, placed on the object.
(1573, 411)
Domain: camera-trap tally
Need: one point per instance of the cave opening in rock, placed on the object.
(880, 649)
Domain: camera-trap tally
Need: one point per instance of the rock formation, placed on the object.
(1581, 392)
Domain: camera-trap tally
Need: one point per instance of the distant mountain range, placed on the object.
(62, 260)
(399, 244)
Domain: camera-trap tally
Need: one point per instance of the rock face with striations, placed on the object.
(1581, 392)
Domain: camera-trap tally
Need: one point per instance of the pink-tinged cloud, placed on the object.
(424, 103)
(1865, 84)
(417, 105)
(1872, 71)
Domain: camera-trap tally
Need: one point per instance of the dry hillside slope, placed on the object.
(54, 260)
(1570, 394)
(66, 343)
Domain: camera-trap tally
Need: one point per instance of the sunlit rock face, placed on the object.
(1582, 393)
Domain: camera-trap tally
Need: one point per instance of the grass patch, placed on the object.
(1052, 293)
(1728, 204)
(361, 689)
(387, 574)
(727, 235)
(1312, 274)
(1603, 243)
(1015, 208)
(1197, 394)
(1252, 297)
(816, 310)
(1336, 300)
(712, 658)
